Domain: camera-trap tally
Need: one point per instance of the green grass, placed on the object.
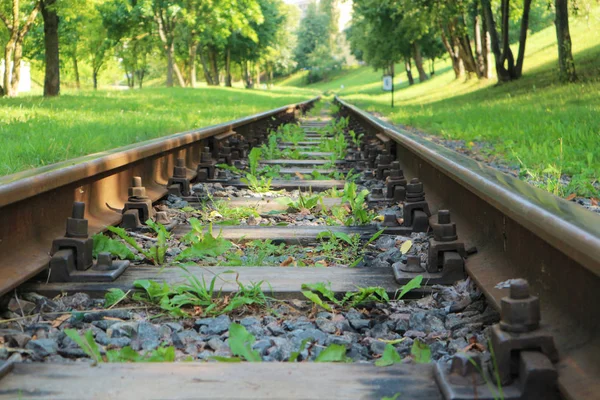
(35, 131)
(525, 121)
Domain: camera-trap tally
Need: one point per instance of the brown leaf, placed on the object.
(594, 201)
(113, 319)
(571, 197)
(288, 262)
(58, 321)
(299, 175)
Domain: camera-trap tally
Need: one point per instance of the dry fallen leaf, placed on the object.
(113, 319)
(287, 262)
(594, 201)
(474, 345)
(406, 247)
(58, 321)
(299, 175)
(570, 197)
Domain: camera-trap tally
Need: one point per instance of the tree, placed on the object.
(167, 15)
(565, 55)
(52, 75)
(18, 24)
(506, 67)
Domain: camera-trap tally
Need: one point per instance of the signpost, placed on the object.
(388, 85)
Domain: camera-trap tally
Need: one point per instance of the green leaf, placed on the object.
(421, 352)
(207, 246)
(390, 356)
(316, 299)
(103, 243)
(113, 296)
(394, 397)
(375, 236)
(333, 353)
(240, 343)
(343, 236)
(87, 344)
(414, 283)
(226, 359)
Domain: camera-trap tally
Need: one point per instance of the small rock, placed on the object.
(345, 340)
(275, 329)
(325, 325)
(299, 335)
(214, 326)
(72, 353)
(42, 347)
(359, 324)
(414, 334)
(216, 344)
(183, 338)
(104, 324)
(262, 346)
(379, 263)
(148, 336)
(248, 321)
(122, 329)
(77, 301)
(377, 346)
(385, 242)
(21, 307)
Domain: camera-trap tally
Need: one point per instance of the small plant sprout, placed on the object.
(156, 253)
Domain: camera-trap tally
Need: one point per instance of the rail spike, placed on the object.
(524, 356)
(179, 183)
(138, 208)
(72, 254)
(415, 211)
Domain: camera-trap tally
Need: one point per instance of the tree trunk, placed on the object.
(477, 34)
(419, 62)
(52, 77)
(486, 45)
(501, 71)
(76, 72)
(228, 82)
(409, 75)
(257, 75)
(248, 76)
(170, 63)
(8, 66)
(179, 75)
(523, 38)
(214, 67)
(16, 70)
(565, 55)
(192, 64)
(207, 76)
(457, 64)
(95, 79)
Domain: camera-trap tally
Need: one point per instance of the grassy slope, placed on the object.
(36, 131)
(524, 120)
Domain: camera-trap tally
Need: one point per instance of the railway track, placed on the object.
(286, 221)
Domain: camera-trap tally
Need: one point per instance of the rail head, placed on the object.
(29, 183)
(566, 226)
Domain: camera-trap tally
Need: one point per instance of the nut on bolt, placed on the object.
(520, 311)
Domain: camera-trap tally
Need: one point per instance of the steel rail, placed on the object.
(34, 204)
(519, 231)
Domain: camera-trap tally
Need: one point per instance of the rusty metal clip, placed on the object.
(524, 357)
(179, 183)
(72, 254)
(138, 208)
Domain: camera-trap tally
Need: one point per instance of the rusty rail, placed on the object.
(35, 203)
(519, 231)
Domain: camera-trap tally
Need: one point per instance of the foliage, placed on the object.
(199, 295)
(305, 202)
(315, 292)
(420, 352)
(333, 353)
(256, 183)
(113, 296)
(389, 357)
(156, 253)
(240, 343)
(125, 354)
(350, 248)
(103, 243)
(414, 283)
(202, 244)
(355, 211)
